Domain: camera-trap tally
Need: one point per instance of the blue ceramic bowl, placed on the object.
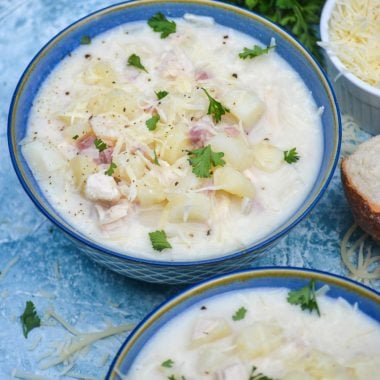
(247, 22)
(366, 299)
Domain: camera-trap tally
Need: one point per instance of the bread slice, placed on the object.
(361, 183)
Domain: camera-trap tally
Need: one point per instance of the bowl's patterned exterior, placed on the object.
(367, 300)
(230, 16)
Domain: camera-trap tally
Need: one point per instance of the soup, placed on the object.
(179, 143)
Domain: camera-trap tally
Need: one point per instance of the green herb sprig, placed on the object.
(305, 298)
(100, 145)
(135, 61)
(240, 314)
(159, 240)
(203, 159)
(111, 169)
(29, 318)
(291, 156)
(215, 108)
(256, 51)
(151, 123)
(160, 24)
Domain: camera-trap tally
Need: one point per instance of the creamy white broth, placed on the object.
(290, 119)
(342, 343)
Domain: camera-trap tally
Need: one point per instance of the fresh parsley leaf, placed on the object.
(167, 363)
(155, 161)
(111, 169)
(100, 145)
(215, 108)
(255, 52)
(160, 24)
(291, 156)
(85, 40)
(135, 61)
(203, 159)
(161, 94)
(257, 376)
(75, 137)
(239, 314)
(152, 122)
(305, 297)
(172, 377)
(29, 318)
(159, 240)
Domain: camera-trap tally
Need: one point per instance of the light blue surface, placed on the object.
(85, 293)
(240, 281)
(159, 271)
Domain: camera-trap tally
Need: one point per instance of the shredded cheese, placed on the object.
(354, 33)
(367, 266)
(8, 267)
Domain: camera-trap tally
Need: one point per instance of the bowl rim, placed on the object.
(228, 279)
(127, 257)
(325, 38)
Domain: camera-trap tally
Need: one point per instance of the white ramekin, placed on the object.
(355, 97)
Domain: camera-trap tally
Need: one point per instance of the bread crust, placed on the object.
(366, 213)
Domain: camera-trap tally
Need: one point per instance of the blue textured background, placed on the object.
(87, 295)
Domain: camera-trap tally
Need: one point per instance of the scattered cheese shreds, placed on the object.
(8, 267)
(367, 266)
(354, 33)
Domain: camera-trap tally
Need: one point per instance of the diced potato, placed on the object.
(191, 207)
(107, 126)
(297, 375)
(259, 339)
(245, 105)
(101, 187)
(78, 129)
(75, 113)
(176, 143)
(100, 73)
(233, 182)
(209, 330)
(114, 102)
(267, 157)
(43, 157)
(210, 359)
(129, 166)
(236, 152)
(82, 167)
(150, 191)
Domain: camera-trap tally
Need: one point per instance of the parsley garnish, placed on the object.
(152, 122)
(167, 363)
(155, 161)
(160, 24)
(29, 318)
(257, 376)
(291, 156)
(203, 159)
(305, 297)
(215, 108)
(75, 137)
(100, 145)
(255, 52)
(172, 377)
(161, 94)
(85, 40)
(239, 314)
(111, 169)
(159, 240)
(135, 61)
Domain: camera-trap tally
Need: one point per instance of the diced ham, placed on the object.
(105, 157)
(201, 131)
(85, 142)
(201, 75)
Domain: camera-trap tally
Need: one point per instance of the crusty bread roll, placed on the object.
(361, 183)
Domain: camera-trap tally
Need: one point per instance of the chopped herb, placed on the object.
(215, 108)
(291, 156)
(172, 377)
(85, 40)
(255, 52)
(167, 363)
(257, 376)
(152, 122)
(305, 297)
(100, 145)
(155, 161)
(29, 318)
(240, 314)
(161, 94)
(111, 169)
(159, 240)
(203, 159)
(135, 61)
(75, 137)
(160, 24)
